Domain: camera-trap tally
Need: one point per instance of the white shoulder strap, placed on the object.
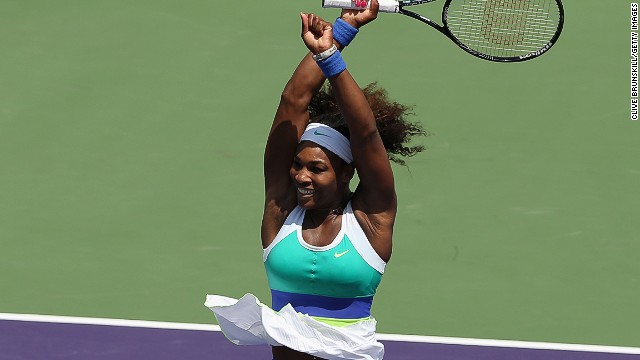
(292, 223)
(360, 242)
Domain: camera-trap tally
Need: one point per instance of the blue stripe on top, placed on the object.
(323, 306)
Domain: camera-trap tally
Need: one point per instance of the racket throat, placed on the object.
(425, 20)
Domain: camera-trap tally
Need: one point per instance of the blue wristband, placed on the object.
(333, 65)
(343, 32)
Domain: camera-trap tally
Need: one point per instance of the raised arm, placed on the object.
(289, 123)
(375, 199)
(376, 190)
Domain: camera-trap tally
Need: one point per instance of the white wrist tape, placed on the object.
(325, 54)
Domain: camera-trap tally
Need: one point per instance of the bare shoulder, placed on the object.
(274, 215)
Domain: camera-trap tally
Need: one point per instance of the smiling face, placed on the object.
(320, 177)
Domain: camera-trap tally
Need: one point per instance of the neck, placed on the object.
(319, 216)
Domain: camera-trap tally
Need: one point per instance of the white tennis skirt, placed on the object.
(249, 322)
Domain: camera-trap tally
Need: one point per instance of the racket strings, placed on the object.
(504, 28)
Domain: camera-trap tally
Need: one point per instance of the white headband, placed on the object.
(330, 139)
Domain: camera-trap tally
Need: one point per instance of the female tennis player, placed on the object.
(325, 246)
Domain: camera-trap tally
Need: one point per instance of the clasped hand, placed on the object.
(317, 34)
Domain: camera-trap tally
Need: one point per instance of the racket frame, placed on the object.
(444, 29)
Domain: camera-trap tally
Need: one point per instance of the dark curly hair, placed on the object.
(394, 129)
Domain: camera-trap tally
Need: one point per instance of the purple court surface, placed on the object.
(32, 340)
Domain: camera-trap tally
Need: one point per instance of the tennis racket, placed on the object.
(495, 30)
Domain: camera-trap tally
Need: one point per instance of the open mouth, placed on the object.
(303, 191)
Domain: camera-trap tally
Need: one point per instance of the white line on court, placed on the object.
(108, 322)
(387, 337)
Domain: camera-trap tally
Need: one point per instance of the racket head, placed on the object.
(504, 30)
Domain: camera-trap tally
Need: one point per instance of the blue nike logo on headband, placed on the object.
(315, 132)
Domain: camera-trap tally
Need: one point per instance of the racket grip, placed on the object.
(389, 6)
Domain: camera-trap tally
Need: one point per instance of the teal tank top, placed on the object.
(337, 281)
